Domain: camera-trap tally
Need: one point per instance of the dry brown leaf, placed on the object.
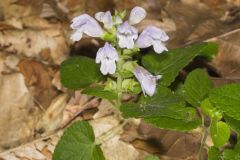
(35, 73)
(31, 43)
(17, 111)
(227, 61)
(114, 148)
(169, 144)
(53, 116)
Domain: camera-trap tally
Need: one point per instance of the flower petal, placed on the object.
(100, 55)
(93, 29)
(157, 33)
(98, 16)
(118, 20)
(79, 21)
(104, 67)
(159, 47)
(146, 79)
(111, 66)
(129, 42)
(144, 40)
(126, 35)
(76, 35)
(137, 15)
(111, 52)
(105, 18)
(123, 28)
(121, 41)
(108, 66)
(149, 84)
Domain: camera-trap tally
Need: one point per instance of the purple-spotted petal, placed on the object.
(137, 15)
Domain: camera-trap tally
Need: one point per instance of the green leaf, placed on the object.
(214, 154)
(79, 72)
(210, 110)
(230, 155)
(237, 146)
(174, 124)
(196, 87)
(151, 157)
(220, 133)
(227, 99)
(210, 51)
(233, 123)
(100, 92)
(169, 64)
(207, 108)
(165, 110)
(77, 143)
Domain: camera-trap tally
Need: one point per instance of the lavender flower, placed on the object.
(107, 56)
(137, 15)
(105, 18)
(126, 35)
(118, 20)
(153, 36)
(85, 24)
(147, 81)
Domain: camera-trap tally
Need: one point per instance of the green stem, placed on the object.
(119, 83)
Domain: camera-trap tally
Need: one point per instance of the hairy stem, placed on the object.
(111, 133)
(203, 139)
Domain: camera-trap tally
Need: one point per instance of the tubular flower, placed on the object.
(85, 24)
(147, 81)
(126, 35)
(105, 18)
(153, 36)
(137, 15)
(107, 56)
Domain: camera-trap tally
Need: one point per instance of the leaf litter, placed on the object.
(34, 40)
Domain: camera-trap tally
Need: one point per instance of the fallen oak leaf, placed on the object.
(35, 73)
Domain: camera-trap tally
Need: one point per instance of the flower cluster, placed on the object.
(125, 38)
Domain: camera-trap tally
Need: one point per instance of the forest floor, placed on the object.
(35, 108)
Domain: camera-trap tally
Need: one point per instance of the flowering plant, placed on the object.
(119, 68)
